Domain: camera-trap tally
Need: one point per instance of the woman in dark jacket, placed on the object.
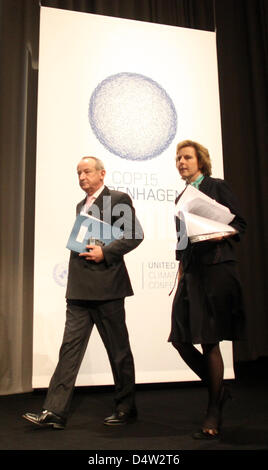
(208, 304)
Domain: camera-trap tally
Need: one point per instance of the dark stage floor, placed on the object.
(168, 414)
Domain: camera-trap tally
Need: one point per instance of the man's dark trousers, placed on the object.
(109, 318)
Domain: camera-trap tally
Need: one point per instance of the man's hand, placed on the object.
(95, 253)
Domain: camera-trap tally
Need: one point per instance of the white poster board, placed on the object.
(165, 80)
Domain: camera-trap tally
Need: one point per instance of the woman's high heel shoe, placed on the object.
(211, 427)
(213, 421)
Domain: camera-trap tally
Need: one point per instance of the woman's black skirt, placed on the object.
(208, 305)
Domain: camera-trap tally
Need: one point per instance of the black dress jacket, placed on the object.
(208, 252)
(109, 279)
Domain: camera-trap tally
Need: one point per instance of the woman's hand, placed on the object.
(223, 237)
(180, 273)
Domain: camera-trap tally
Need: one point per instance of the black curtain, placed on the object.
(242, 42)
(197, 14)
(19, 34)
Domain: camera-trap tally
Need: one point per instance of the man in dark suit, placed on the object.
(98, 283)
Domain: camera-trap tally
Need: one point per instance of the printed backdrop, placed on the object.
(126, 92)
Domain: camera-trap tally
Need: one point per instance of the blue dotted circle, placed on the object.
(132, 116)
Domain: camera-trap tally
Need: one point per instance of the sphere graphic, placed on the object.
(132, 116)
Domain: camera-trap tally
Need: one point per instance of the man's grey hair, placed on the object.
(98, 163)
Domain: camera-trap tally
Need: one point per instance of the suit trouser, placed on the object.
(109, 318)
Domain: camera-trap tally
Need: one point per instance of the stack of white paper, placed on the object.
(203, 217)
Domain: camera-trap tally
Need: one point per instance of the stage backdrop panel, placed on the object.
(126, 92)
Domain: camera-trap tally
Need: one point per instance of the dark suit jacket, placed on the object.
(108, 279)
(209, 252)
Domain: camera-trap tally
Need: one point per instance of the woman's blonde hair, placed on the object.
(202, 153)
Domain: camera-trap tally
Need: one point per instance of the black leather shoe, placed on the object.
(46, 419)
(121, 417)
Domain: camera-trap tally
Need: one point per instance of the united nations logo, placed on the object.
(60, 273)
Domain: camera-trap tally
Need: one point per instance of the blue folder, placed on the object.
(87, 227)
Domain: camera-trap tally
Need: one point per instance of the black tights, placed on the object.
(209, 367)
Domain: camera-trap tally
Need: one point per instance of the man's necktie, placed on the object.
(89, 202)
